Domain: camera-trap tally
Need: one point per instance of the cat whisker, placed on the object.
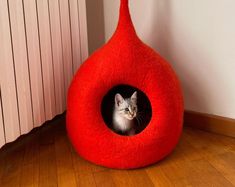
(140, 116)
(138, 122)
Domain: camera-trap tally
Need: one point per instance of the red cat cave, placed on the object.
(127, 63)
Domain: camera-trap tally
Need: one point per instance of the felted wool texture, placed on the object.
(125, 59)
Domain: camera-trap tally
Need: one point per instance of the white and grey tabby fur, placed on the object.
(125, 110)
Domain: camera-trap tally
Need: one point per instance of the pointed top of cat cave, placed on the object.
(125, 27)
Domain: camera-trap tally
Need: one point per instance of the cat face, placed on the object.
(126, 108)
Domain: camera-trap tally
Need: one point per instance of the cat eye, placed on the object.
(126, 109)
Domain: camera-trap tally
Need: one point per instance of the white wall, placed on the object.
(198, 38)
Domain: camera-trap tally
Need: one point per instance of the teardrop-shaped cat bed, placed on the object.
(124, 60)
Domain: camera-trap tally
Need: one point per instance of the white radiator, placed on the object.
(42, 44)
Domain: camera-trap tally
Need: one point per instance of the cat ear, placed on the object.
(134, 97)
(118, 99)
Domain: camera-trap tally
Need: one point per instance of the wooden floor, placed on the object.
(46, 158)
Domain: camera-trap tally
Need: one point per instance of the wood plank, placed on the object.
(80, 165)
(33, 180)
(75, 33)
(211, 123)
(175, 170)
(225, 164)
(85, 180)
(230, 178)
(227, 141)
(103, 179)
(66, 42)
(83, 29)
(204, 174)
(2, 130)
(139, 178)
(83, 170)
(12, 170)
(120, 178)
(2, 165)
(194, 173)
(7, 77)
(57, 55)
(186, 150)
(46, 58)
(30, 162)
(21, 65)
(204, 143)
(84, 167)
(31, 155)
(64, 161)
(47, 156)
(157, 176)
(47, 166)
(31, 24)
(181, 182)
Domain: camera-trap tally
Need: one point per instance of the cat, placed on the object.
(125, 110)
